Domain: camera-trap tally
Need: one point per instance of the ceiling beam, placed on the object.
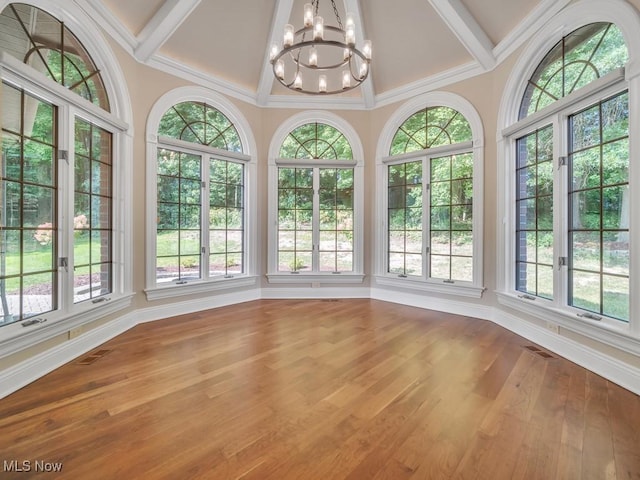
(368, 94)
(466, 28)
(281, 15)
(161, 26)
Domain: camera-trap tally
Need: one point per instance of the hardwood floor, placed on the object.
(354, 389)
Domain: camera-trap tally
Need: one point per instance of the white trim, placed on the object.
(161, 26)
(281, 15)
(463, 289)
(202, 79)
(319, 278)
(176, 309)
(14, 337)
(303, 292)
(249, 156)
(97, 10)
(198, 149)
(171, 290)
(527, 28)
(432, 302)
(623, 374)
(23, 373)
(429, 84)
(465, 27)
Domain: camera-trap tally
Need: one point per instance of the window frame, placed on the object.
(621, 335)
(357, 164)
(222, 284)
(475, 288)
(69, 315)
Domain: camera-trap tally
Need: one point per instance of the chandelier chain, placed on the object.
(335, 10)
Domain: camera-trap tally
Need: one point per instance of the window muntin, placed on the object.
(28, 228)
(534, 213)
(584, 55)
(92, 218)
(199, 123)
(200, 197)
(429, 198)
(316, 141)
(38, 39)
(430, 127)
(599, 208)
(316, 212)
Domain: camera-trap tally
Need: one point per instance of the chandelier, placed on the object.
(321, 59)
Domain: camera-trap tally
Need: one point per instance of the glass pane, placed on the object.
(615, 297)
(586, 290)
(167, 269)
(462, 269)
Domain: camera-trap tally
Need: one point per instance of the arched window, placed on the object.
(567, 163)
(431, 199)
(578, 59)
(62, 166)
(46, 44)
(316, 203)
(200, 165)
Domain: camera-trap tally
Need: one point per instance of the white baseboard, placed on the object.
(173, 309)
(433, 303)
(16, 377)
(617, 372)
(310, 292)
(23, 373)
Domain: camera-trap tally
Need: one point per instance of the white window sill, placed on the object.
(610, 332)
(14, 337)
(463, 289)
(170, 290)
(315, 278)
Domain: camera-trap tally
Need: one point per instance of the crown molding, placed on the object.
(207, 80)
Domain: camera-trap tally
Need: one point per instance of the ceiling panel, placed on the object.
(134, 14)
(497, 17)
(227, 38)
(410, 42)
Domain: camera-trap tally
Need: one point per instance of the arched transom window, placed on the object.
(46, 44)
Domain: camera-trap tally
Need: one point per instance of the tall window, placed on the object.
(315, 203)
(572, 212)
(430, 191)
(200, 196)
(57, 171)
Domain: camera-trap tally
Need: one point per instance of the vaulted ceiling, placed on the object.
(418, 45)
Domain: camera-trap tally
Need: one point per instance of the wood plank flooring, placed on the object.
(313, 389)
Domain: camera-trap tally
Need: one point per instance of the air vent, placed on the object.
(93, 357)
(535, 349)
